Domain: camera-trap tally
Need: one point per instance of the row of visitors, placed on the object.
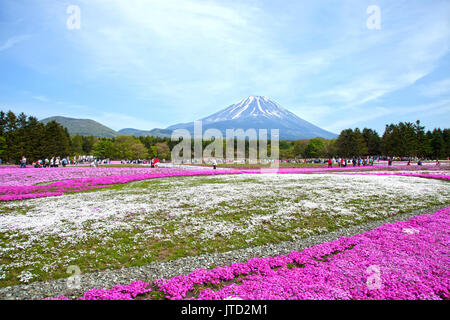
(343, 162)
(153, 162)
(53, 162)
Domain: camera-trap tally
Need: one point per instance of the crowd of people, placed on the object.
(355, 161)
(53, 162)
(363, 161)
(154, 162)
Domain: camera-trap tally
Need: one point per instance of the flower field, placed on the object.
(20, 184)
(118, 217)
(402, 260)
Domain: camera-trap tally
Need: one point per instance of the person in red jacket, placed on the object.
(330, 165)
(155, 162)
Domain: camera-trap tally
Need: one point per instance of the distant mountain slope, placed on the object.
(84, 127)
(254, 112)
(162, 133)
(260, 113)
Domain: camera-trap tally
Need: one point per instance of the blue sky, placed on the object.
(147, 64)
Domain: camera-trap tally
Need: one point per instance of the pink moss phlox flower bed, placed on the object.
(32, 176)
(119, 292)
(430, 176)
(19, 184)
(8, 193)
(439, 175)
(403, 260)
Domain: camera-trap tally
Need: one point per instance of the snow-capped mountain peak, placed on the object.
(250, 107)
(258, 112)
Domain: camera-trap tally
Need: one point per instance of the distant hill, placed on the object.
(84, 127)
(88, 127)
(162, 133)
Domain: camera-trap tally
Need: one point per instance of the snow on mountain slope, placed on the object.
(253, 106)
(260, 113)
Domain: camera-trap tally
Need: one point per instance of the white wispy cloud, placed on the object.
(436, 88)
(177, 50)
(9, 43)
(41, 98)
(433, 108)
(348, 122)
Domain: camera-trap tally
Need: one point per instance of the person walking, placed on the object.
(330, 164)
(23, 162)
(214, 164)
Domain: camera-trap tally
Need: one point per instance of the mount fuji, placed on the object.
(259, 113)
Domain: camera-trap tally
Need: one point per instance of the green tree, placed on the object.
(163, 150)
(446, 136)
(346, 143)
(153, 151)
(33, 134)
(373, 141)
(12, 138)
(56, 140)
(423, 146)
(139, 150)
(361, 145)
(438, 144)
(315, 148)
(104, 149)
(77, 145)
(3, 147)
(128, 147)
(330, 148)
(88, 144)
(300, 147)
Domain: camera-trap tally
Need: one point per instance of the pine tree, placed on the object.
(347, 144)
(438, 144)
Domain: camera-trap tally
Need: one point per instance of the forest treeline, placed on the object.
(22, 135)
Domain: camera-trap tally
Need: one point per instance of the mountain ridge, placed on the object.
(84, 127)
(253, 112)
(157, 132)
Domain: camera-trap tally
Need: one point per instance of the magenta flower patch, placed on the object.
(384, 263)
